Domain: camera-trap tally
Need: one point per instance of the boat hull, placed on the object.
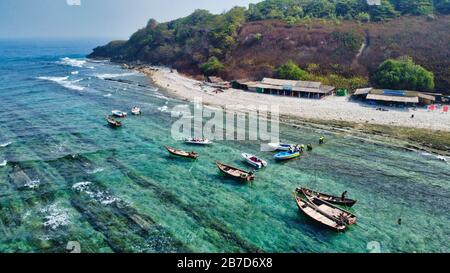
(235, 173)
(329, 198)
(248, 159)
(193, 142)
(280, 146)
(286, 155)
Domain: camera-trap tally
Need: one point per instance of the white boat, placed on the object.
(254, 160)
(198, 141)
(136, 110)
(280, 146)
(118, 113)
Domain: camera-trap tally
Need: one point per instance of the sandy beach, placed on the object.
(331, 108)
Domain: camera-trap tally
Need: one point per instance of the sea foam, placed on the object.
(114, 75)
(3, 145)
(65, 82)
(72, 62)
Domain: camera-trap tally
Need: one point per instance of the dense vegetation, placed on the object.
(295, 10)
(403, 74)
(255, 42)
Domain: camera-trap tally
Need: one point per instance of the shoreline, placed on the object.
(427, 135)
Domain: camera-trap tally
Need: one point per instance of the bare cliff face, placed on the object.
(346, 48)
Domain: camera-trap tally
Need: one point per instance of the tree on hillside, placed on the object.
(291, 71)
(382, 12)
(404, 74)
(415, 7)
(442, 6)
(212, 67)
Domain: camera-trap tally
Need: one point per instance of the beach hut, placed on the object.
(290, 88)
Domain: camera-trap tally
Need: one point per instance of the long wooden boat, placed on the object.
(337, 200)
(113, 123)
(324, 213)
(181, 153)
(235, 172)
(313, 212)
(339, 214)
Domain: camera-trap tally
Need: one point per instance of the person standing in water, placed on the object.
(322, 140)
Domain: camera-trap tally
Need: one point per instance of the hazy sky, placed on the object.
(95, 18)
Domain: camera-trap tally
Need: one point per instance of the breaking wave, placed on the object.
(112, 75)
(72, 62)
(3, 163)
(3, 145)
(64, 81)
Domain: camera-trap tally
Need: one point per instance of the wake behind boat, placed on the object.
(198, 141)
(254, 160)
(342, 200)
(182, 153)
(235, 172)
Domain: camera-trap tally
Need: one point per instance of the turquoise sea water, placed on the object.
(119, 191)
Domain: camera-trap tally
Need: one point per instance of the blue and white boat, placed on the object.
(287, 155)
(118, 113)
(280, 146)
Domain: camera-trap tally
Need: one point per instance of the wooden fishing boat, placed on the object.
(235, 172)
(337, 200)
(254, 160)
(339, 214)
(198, 141)
(315, 213)
(113, 123)
(181, 153)
(287, 155)
(118, 113)
(136, 111)
(280, 146)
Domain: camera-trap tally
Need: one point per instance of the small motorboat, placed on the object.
(198, 141)
(182, 153)
(136, 111)
(118, 113)
(113, 123)
(280, 146)
(235, 172)
(254, 160)
(327, 197)
(287, 155)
